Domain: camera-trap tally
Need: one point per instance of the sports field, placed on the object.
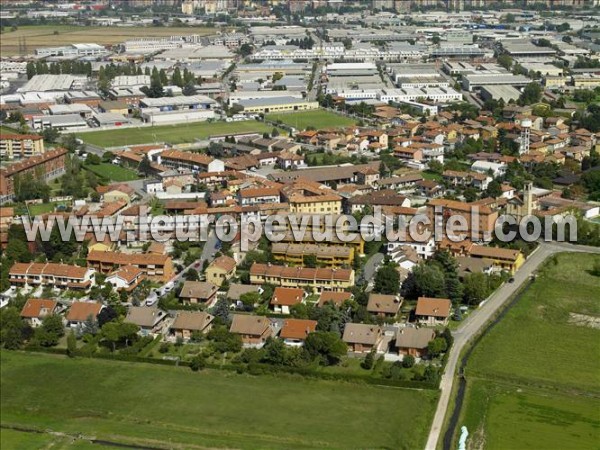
(36, 36)
(534, 380)
(170, 407)
(171, 134)
(317, 118)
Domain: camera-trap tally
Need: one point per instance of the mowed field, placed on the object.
(316, 118)
(534, 380)
(171, 407)
(171, 134)
(37, 36)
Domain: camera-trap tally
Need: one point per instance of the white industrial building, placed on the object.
(440, 95)
(48, 83)
(72, 51)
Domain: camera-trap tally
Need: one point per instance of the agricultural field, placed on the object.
(316, 119)
(111, 172)
(534, 380)
(171, 134)
(149, 405)
(37, 36)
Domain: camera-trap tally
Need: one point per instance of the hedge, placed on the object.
(258, 369)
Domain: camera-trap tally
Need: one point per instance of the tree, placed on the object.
(505, 61)
(436, 346)
(245, 50)
(189, 89)
(368, 362)
(192, 275)
(221, 310)
(50, 332)
(11, 328)
(50, 135)
(326, 346)
(450, 267)
(310, 261)
(119, 333)
(177, 79)
(426, 280)
(435, 166)
(107, 314)
(532, 93)
(408, 361)
(144, 167)
(249, 299)
(494, 189)
(476, 288)
(71, 344)
(197, 363)
(387, 280)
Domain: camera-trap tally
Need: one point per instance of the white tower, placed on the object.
(525, 132)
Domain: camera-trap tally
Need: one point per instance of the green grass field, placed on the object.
(317, 118)
(44, 208)
(534, 380)
(171, 134)
(7, 130)
(177, 408)
(112, 172)
(23, 440)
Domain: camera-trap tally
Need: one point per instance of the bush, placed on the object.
(197, 363)
(408, 361)
(367, 363)
(164, 347)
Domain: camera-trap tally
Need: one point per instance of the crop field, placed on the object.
(149, 405)
(171, 134)
(36, 36)
(111, 172)
(316, 118)
(534, 380)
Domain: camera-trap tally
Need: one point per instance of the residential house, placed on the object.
(188, 322)
(80, 312)
(194, 292)
(56, 275)
(335, 298)
(255, 330)
(284, 298)
(156, 267)
(414, 341)
(317, 279)
(150, 320)
(221, 269)
(37, 309)
(126, 278)
(384, 305)
(433, 311)
(362, 338)
(236, 291)
(294, 331)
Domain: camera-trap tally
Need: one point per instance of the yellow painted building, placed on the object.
(316, 279)
(267, 105)
(325, 255)
(20, 146)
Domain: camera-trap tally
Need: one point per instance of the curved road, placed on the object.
(479, 318)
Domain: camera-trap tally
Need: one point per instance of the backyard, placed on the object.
(149, 405)
(37, 36)
(172, 134)
(316, 119)
(533, 381)
(112, 172)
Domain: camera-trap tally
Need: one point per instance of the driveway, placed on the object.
(371, 266)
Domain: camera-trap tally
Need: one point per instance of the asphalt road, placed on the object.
(371, 266)
(476, 321)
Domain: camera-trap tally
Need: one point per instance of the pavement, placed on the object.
(477, 320)
(371, 266)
